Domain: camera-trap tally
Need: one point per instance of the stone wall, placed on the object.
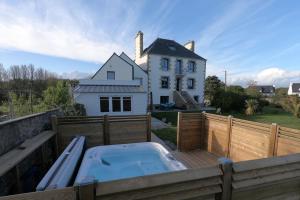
(16, 131)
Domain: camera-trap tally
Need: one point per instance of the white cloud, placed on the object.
(55, 29)
(269, 76)
(75, 75)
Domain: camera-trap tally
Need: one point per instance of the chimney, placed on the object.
(190, 45)
(138, 45)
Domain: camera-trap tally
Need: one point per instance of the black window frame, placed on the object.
(102, 99)
(193, 83)
(124, 99)
(162, 81)
(167, 98)
(163, 66)
(193, 66)
(116, 107)
(111, 72)
(178, 68)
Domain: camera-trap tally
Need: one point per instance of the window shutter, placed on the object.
(161, 63)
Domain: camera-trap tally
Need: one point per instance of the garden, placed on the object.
(241, 103)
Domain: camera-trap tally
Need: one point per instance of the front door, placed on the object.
(178, 84)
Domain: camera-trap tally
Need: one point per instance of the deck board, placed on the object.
(191, 159)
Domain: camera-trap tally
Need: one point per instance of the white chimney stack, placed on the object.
(139, 45)
(190, 45)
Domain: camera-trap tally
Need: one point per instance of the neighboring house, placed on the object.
(119, 87)
(294, 89)
(176, 74)
(265, 90)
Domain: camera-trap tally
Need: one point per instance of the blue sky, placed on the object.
(253, 40)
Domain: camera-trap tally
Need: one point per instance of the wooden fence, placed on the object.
(235, 138)
(263, 179)
(102, 130)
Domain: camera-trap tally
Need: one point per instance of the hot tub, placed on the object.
(106, 163)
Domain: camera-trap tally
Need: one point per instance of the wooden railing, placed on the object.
(234, 138)
(102, 130)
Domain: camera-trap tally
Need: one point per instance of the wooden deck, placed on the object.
(191, 159)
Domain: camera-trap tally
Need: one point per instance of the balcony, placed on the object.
(179, 72)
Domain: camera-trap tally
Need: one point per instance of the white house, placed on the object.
(176, 74)
(119, 87)
(294, 89)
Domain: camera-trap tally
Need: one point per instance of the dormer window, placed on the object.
(165, 64)
(191, 66)
(111, 75)
(172, 48)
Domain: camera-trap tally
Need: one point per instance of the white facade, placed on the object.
(125, 94)
(152, 63)
(294, 89)
(156, 73)
(91, 101)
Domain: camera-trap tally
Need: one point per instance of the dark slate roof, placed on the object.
(296, 87)
(266, 89)
(170, 48)
(108, 89)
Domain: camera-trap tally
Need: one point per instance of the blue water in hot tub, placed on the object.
(114, 162)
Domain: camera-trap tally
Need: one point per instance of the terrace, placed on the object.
(259, 161)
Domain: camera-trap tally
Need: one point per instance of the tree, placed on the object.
(57, 96)
(213, 85)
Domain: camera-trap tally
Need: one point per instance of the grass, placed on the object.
(167, 134)
(272, 115)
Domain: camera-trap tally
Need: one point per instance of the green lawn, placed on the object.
(272, 115)
(269, 115)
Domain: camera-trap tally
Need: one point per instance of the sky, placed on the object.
(252, 40)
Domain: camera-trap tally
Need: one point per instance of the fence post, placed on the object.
(203, 131)
(86, 192)
(149, 127)
(106, 134)
(226, 166)
(179, 119)
(229, 131)
(56, 139)
(273, 140)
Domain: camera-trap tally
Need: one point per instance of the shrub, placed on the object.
(229, 101)
(251, 106)
(292, 104)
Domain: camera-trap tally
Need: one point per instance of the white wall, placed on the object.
(123, 70)
(156, 73)
(91, 101)
(138, 71)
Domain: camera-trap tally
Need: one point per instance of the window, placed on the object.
(110, 75)
(164, 99)
(190, 83)
(191, 66)
(178, 67)
(171, 47)
(126, 104)
(196, 98)
(165, 64)
(104, 104)
(116, 104)
(164, 82)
